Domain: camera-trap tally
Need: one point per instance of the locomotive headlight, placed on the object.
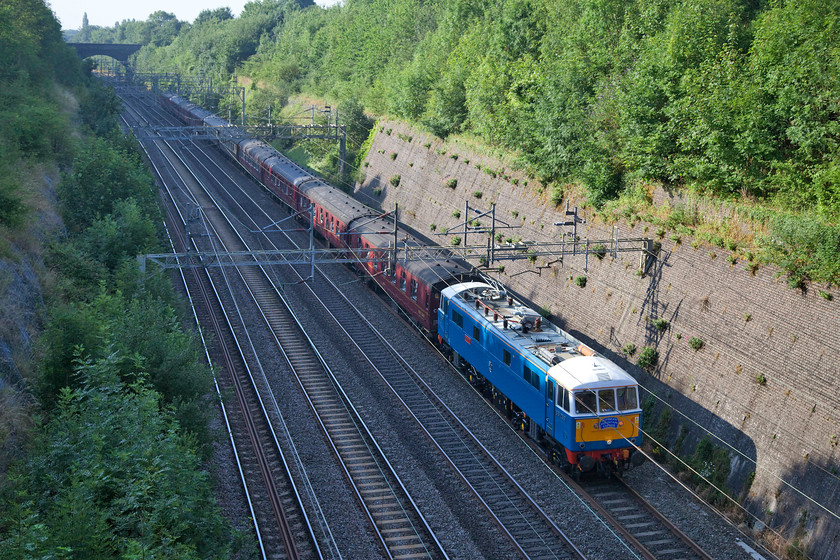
(609, 442)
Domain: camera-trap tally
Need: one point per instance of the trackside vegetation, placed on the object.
(728, 101)
(104, 433)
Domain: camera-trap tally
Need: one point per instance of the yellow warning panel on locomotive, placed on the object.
(607, 427)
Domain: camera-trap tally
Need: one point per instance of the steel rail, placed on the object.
(268, 477)
(637, 520)
(171, 211)
(390, 544)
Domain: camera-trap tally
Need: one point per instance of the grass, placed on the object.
(801, 244)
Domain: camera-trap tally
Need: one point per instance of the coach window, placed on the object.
(585, 402)
(627, 399)
(457, 318)
(606, 400)
(402, 281)
(506, 357)
(476, 333)
(413, 292)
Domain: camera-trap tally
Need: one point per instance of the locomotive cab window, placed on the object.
(606, 400)
(585, 402)
(563, 399)
(627, 398)
(476, 333)
(506, 357)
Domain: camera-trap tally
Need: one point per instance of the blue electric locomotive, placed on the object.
(582, 406)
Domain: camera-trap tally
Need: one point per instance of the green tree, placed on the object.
(102, 175)
(124, 233)
(112, 475)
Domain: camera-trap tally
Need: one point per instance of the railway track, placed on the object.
(397, 521)
(268, 483)
(648, 530)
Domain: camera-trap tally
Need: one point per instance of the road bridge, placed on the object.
(117, 51)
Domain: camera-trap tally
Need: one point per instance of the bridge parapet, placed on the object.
(118, 51)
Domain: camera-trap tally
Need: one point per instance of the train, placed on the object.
(582, 408)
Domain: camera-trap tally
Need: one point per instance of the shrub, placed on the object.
(580, 281)
(377, 191)
(455, 241)
(394, 180)
(478, 194)
(760, 379)
(660, 324)
(433, 227)
(456, 214)
(599, 251)
(629, 349)
(452, 183)
(695, 343)
(393, 156)
(648, 358)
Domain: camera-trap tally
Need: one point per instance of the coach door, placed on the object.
(549, 406)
